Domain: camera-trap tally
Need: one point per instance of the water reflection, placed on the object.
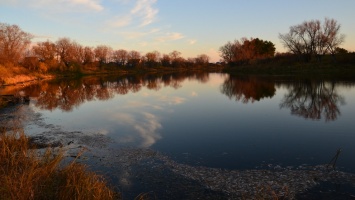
(247, 89)
(313, 100)
(147, 127)
(188, 116)
(67, 94)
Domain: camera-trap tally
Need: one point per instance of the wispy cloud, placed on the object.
(120, 21)
(143, 11)
(191, 42)
(133, 35)
(170, 37)
(60, 5)
(91, 4)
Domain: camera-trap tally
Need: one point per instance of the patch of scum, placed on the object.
(127, 164)
(282, 182)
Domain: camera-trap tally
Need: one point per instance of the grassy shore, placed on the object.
(11, 74)
(28, 173)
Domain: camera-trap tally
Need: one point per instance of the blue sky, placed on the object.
(192, 27)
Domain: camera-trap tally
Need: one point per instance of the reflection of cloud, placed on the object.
(146, 128)
(172, 100)
(122, 117)
(194, 94)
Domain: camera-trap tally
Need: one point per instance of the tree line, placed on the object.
(305, 41)
(68, 55)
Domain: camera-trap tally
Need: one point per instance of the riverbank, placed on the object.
(12, 75)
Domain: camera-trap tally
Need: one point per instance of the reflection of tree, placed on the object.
(247, 89)
(67, 94)
(313, 99)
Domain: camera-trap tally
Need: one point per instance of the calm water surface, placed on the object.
(214, 120)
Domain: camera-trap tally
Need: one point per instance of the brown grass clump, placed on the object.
(11, 74)
(27, 173)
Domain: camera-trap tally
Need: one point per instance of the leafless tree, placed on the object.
(312, 38)
(134, 58)
(202, 59)
(165, 60)
(152, 58)
(45, 51)
(103, 53)
(64, 50)
(227, 52)
(89, 55)
(331, 32)
(120, 56)
(13, 43)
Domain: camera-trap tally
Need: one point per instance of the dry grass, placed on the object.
(26, 173)
(15, 74)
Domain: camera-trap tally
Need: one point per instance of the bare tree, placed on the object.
(78, 53)
(176, 59)
(165, 60)
(202, 59)
(64, 48)
(227, 52)
(311, 38)
(152, 58)
(13, 43)
(120, 56)
(134, 58)
(89, 55)
(103, 53)
(331, 32)
(45, 51)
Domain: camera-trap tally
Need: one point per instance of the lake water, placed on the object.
(210, 119)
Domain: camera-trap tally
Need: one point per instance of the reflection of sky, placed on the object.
(132, 119)
(197, 124)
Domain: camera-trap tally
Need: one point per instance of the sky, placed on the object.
(192, 27)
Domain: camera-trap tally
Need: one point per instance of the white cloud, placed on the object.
(191, 42)
(170, 37)
(134, 35)
(60, 5)
(120, 21)
(143, 10)
(91, 4)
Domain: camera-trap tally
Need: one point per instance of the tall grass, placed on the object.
(27, 173)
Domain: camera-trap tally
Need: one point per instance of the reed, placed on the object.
(29, 173)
